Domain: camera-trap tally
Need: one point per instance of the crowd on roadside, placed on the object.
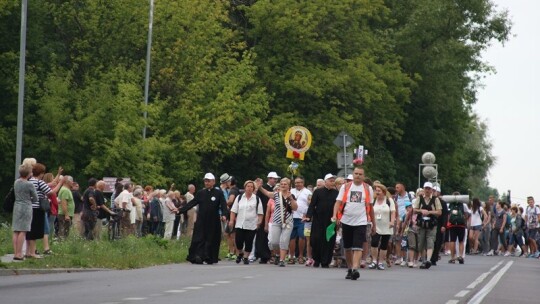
(349, 222)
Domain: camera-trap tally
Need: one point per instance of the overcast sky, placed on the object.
(509, 103)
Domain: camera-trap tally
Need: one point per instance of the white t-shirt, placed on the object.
(354, 213)
(532, 216)
(302, 199)
(382, 216)
(246, 215)
(476, 217)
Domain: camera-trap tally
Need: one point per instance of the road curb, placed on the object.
(25, 271)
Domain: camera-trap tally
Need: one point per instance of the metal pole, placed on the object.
(147, 77)
(20, 108)
(345, 154)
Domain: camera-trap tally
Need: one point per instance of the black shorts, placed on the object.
(353, 236)
(380, 241)
(457, 233)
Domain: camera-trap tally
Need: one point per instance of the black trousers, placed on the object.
(262, 251)
(244, 239)
(439, 241)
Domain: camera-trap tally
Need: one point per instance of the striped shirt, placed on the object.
(278, 206)
(42, 190)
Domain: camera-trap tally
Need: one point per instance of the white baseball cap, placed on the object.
(428, 185)
(350, 177)
(437, 188)
(209, 176)
(329, 175)
(272, 174)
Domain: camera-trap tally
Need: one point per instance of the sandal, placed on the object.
(301, 260)
(451, 261)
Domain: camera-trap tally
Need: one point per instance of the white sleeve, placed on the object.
(260, 210)
(466, 208)
(234, 207)
(341, 191)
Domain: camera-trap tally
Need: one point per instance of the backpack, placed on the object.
(523, 224)
(258, 201)
(426, 223)
(9, 201)
(344, 200)
(457, 214)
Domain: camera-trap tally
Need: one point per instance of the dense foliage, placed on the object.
(229, 77)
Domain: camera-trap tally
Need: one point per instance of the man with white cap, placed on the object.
(262, 251)
(349, 178)
(212, 210)
(320, 213)
(428, 208)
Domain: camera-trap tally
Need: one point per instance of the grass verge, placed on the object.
(76, 252)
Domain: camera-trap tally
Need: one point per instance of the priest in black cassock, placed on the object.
(320, 212)
(212, 209)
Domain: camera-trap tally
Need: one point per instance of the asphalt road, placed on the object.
(480, 280)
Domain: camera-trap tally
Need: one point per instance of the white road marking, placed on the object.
(496, 266)
(461, 294)
(155, 295)
(452, 302)
(111, 303)
(223, 282)
(176, 291)
(193, 287)
(133, 299)
(478, 280)
(208, 284)
(249, 277)
(477, 299)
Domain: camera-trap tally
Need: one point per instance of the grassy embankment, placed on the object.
(76, 252)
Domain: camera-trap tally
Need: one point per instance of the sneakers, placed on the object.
(403, 263)
(490, 253)
(372, 265)
(399, 261)
(461, 260)
(380, 266)
(410, 264)
(355, 275)
(310, 262)
(246, 261)
(507, 254)
(231, 256)
(276, 260)
(447, 252)
(349, 274)
(451, 261)
(281, 263)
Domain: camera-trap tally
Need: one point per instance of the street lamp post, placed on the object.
(428, 168)
(148, 50)
(20, 107)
